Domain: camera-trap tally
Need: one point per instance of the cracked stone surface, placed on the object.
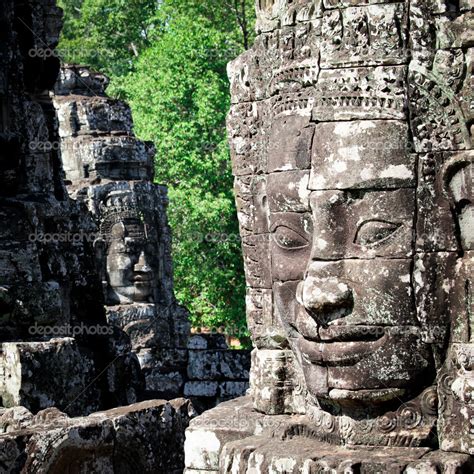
(54, 335)
(119, 440)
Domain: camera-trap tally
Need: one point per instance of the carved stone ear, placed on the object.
(458, 179)
(100, 249)
(459, 163)
(118, 230)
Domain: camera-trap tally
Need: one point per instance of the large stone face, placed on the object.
(351, 140)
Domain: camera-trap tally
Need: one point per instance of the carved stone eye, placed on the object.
(288, 239)
(374, 232)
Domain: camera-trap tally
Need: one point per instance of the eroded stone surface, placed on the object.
(362, 154)
(49, 284)
(456, 387)
(120, 439)
(63, 259)
(270, 371)
(70, 372)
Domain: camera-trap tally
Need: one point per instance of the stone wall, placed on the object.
(215, 373)
(47, 281)
(69, 381)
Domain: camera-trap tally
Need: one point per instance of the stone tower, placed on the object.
(59, 356)
(110, 171)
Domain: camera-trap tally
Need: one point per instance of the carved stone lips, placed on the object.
(340, 350)
(142, 278)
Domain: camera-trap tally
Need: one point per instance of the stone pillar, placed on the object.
(59, 356)
(54, 336)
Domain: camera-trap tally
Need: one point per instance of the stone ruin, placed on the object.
(111, 172)
(71, 387)
(351, 137)
(47, 279)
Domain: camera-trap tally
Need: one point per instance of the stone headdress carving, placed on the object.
(119, 207)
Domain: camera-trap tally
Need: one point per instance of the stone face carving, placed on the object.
(355, 119)
(110, 171)
(59, 356)
(62, 259)
(131, 246)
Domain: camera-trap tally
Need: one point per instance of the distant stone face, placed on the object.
(131, 245)
(110, 171)
(351, 141)
(129, 280)
(88, 318)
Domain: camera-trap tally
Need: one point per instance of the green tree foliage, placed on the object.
(106, 34)
(170, 65)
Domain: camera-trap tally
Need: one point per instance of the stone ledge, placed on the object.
(233, 420)
(263, 454)
(147, 436)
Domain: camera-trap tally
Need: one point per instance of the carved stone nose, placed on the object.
(326, 299)
(142, 265)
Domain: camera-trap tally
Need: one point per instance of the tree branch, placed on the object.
(239, 10)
